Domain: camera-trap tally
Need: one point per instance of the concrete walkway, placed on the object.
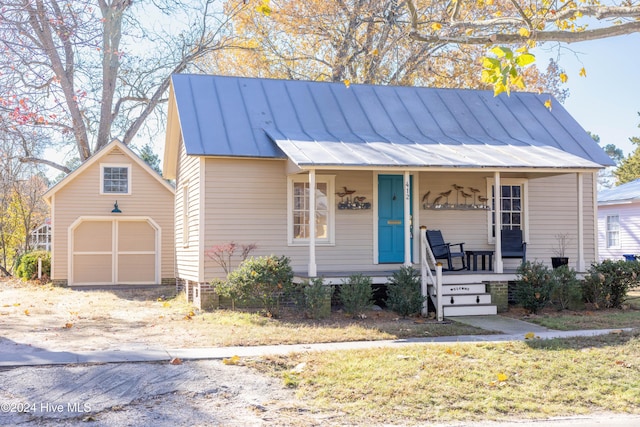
(509, 330)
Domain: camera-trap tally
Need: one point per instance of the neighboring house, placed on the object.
(384, 160)
(619, 221)
(40, 238)
(112, 222)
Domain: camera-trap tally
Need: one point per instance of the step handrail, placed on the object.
(426, 257)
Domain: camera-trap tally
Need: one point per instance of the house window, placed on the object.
(298, 218)
(613, 231)
(512, 197)
(115, 179)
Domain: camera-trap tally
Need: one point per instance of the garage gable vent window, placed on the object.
(115, 179)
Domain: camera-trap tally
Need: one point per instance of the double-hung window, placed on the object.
(115, 179)
(299, 221)
(613, 231)
(512, 205)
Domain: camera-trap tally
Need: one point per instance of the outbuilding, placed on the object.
(112, 222)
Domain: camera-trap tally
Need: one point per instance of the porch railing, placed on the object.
(427, 260)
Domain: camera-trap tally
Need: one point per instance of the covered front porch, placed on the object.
(540, 204)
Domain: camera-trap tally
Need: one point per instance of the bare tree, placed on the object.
(88, 71)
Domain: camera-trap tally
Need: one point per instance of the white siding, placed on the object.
(629, 230)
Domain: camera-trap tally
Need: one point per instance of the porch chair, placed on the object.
(442, 250)
(512, 245)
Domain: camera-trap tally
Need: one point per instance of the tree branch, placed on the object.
(540, 36)
(45, 162)
(503, 29)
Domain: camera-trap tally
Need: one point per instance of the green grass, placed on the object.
(451, 382)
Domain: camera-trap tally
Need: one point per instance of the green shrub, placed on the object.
(534, 284)
(567, 291)
(316, 298)
(356, 294)
(607, 283)
(404, 295)
(262, 280)
(28, 265)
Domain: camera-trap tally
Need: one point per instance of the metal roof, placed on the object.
(325, 124)
(625, 193)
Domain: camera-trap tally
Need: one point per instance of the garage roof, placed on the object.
(332, 124)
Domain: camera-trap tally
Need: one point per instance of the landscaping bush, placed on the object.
(404, 295)
(356, 294)
(28, 265)
(262, 280)
(567, 291)
(607, 283)
(534, 284)
(316, 298)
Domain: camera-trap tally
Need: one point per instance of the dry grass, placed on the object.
(60, 318)
(449, 382)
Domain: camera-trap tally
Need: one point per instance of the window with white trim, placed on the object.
(115, 179)
(613, 231)
(512, 197)
(298, 209)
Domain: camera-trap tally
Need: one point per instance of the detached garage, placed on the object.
(112, 223)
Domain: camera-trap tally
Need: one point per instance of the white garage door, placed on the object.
(114, 251)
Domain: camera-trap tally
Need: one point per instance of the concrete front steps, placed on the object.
(466, 300)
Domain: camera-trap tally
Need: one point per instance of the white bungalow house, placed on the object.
(112, 223)
(384, 161)
(619, 221)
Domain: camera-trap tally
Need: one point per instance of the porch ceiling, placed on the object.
(373, 153)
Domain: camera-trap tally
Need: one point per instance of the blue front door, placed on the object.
(390, 219)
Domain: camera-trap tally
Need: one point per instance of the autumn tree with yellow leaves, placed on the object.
(357, 41)
(510, 28)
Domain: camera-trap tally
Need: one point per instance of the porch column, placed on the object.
(407, 218)
(312, 223)
(580, 260)
(498, 212)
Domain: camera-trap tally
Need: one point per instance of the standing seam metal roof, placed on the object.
(625, 193)
(318, 123)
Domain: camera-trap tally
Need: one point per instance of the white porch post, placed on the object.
(498, 213)
(407, 218)
(580, 261)
(312, 223)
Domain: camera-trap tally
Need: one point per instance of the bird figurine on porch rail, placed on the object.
(457, 188)
(348, 192)
(425, 199)
(466, 196)
(475, 191)
(446, 195)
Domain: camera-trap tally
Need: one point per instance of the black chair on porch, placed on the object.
(512, 245)
(442, 249)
